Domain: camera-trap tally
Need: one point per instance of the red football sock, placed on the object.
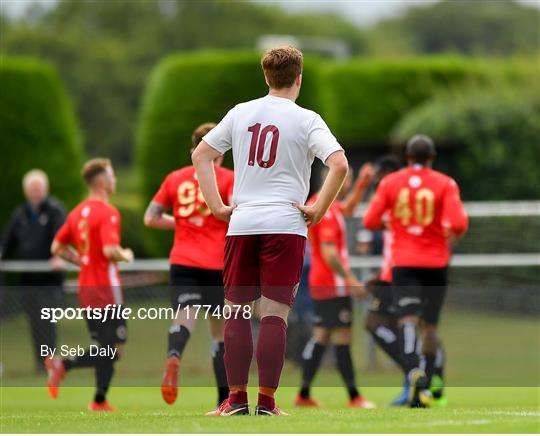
(238, 394)
(238, 350)
(271, 351)
(266, 397)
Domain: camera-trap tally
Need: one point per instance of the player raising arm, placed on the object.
(274, 142)
(424, 210)
(90, 238)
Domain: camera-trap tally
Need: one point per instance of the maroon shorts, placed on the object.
(268, 265)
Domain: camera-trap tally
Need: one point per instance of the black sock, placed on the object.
(178, 337)
(387, 339)
(407, 345)
(104, 374)
(311, 360)
(218, 351)
(345, 367)
(83, 361)
(440, 358)
(430, 365)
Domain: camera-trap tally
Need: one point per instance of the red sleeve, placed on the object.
(110, 228)
(230, 190)
(453, 214)
(327, 229)
(162, 196)
(377, 207)
(64, 236)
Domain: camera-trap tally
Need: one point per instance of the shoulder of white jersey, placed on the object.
(245, 104)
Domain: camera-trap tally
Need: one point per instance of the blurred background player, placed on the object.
(196, 262)
(424, 211)
(90, 238)
(274, 143)
(331, 285)
(28, 236)
(381, 321)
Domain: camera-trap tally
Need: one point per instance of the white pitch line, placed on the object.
(448, 422)
(504, 413)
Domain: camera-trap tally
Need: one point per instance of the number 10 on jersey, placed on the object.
(258, 140)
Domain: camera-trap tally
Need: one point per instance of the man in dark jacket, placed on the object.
(28, 236)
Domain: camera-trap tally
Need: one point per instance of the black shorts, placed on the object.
(190, 286)
(381, 299)
(333, 312)
(112, 331)
(419, 292)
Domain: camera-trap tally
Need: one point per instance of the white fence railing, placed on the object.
(484, 209)
(458, 260)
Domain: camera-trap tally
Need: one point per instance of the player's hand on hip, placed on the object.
(312, 215)
(224, 213)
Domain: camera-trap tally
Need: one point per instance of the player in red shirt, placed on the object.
(196, 263)
(90, 238)
(331, 284)
(425, 211)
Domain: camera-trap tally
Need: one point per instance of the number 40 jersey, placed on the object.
(274, 142)
(424, 208)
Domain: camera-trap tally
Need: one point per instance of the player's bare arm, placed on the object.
(374, 216)
(115, 253)
(203, 159)
(331, 257)
(337, 171)
(365, 176)
(156, 218)
(65, 252)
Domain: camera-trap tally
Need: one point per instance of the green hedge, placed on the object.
(364, 99)
(497, 131)
(187, 90)
(38, 130)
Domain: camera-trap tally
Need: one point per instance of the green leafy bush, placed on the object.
(497, 134)
(364, 99)
(185, 91)
(38, 130)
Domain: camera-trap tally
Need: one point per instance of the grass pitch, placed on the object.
(141, 410)
(483, 351)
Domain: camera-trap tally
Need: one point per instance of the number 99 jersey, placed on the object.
(424, 207)
(199, 237)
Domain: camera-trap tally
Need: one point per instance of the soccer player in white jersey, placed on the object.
(274, 142)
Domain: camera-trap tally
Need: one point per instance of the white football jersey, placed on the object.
(274, 142)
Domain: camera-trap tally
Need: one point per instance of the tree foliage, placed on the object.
(38, 130)
(493, 27)
(497, 132)
(105, 50)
